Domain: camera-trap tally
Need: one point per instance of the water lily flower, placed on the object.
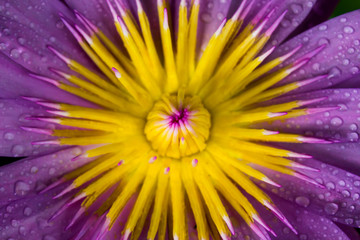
(179, 119)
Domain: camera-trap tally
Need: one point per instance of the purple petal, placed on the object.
(16, 82)
(28, 29)
(353, 82)
(349, 231)
(339, 59)
(28, 218)
(210, 17)
(308, 225)
(321, 11)
(14, 140)
(340, 123)
(297, 11)
(98, 13)
(28, 176)
(338, 200)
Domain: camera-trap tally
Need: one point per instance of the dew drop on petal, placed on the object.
(27, 211)
(346, 61)
(48, 237)
(34, 169)
(353, 136)
(330, 185)
(22, 230)
(356, 196)
(296, 8)
(342, 183)
(349, 221)
(9, 136)
(348, 29)
(9, 209)
(302, 201)
(14, 223)
(15, 53)
(52, 171)
(17, 150)
(323, 27)
(346, 193)
(331, 208)
(354, 70)
(285, 23)
(351, 50)
(334, 72)
(286, 230)
(21, 188)
(21, 40)
(336, 121)
(206, 17)
(303, 237)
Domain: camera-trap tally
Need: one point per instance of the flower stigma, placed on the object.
(177, 133)
(178, 126)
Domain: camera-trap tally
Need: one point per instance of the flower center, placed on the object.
(178, 126)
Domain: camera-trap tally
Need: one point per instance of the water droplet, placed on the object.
(220, 16)
(353, 136)
(17, 150)
(343, 20)
(27, 211)
(3, 46)
(22, 230)
(52, 39)
(351, 50)
(346, 62)
(334, 72)
(346, 193)
(310, 4)
(15, 53)
(286, 230)
(351, 208)
(9, 209)
(348, 29)
(323, 27)
(9, 136)
(14, 223)
(285, 23)
(330, 185)
(21, 188)
(349, 221)
(342, 183)
(302, 201)
(331, 208)
(296, 8)
(34, 169)
(206, 17)
(48, 237)
(60, 24)
(303, 237)
(357, 183)
(52, 171)
(316, 66)
(21, 40)
(356, 196)
(336, 121)
(354, 70)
